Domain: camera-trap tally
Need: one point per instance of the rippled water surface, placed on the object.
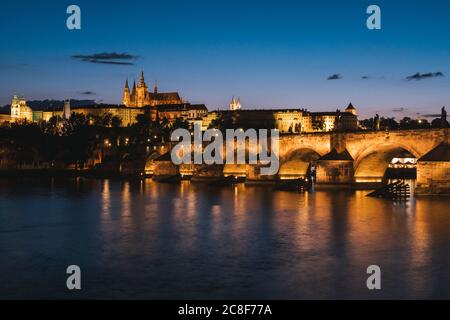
(150, 240)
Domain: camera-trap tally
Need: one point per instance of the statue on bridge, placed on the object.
(444, 123)
(376, 122)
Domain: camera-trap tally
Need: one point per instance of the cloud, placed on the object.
(335, 76)
(399, 109)
(422, 76)
(366, 77)
(431, 115)
(87, 93)
(107, 58)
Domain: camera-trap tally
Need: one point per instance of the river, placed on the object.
(145, 240)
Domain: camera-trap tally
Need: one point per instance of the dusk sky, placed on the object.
(273, 54)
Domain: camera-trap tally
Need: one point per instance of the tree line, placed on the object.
(59, 143)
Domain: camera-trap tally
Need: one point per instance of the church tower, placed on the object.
(351, 109)
(15, 107)
(235, 105)
(66, 109)
(133, 95)
(238, 104)
(140, 95)
(126, 99)
(142, 91)
(142, 81)
(20, 110)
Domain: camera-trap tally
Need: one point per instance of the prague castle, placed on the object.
(170, 106)
(140, 96)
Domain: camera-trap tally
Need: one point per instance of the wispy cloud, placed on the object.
(372, 77)
(107, 58)
(431, 115)
(335, 76)
(87, 93)
(399, 109)
(421, 76)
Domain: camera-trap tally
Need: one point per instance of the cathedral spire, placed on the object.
(233, 104)
(126, 98)
(155, 90)
(134, 88)
(142, 82)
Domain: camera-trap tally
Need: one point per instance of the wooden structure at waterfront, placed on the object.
(397, 190)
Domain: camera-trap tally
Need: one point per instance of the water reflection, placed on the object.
(146, 240)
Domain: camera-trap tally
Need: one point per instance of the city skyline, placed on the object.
(318, 56)
(216, 157)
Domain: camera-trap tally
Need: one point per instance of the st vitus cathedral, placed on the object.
(141, 97)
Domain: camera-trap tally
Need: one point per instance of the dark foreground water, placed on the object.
(149, 240)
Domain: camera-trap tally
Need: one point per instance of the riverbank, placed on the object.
(114, 175)
(89, 173)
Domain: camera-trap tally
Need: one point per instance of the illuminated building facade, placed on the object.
(286, 120)
(235, 105)
(159, 106)
(140, 96)
(20, 110)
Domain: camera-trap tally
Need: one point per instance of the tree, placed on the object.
(388, 124)
(106, 120)
(116, 122)
(224, 121)
(406, 123)
(436, 123)
(78, 119)
(143, 121)
(368, 123)
(318, 124)
(180, 123)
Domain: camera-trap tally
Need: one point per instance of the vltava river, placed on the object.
(150, 240)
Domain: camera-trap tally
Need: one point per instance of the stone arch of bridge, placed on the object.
(371, 164)
(297, 162)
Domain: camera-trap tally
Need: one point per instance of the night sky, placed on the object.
(273, 54)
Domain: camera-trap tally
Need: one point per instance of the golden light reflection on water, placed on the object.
(261, 243)
(316, 230)
(106, 198)
(126, 199)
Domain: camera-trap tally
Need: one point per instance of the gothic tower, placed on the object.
(235, 105)
(66, 109)
(126, 99)
(142, 91)
(15, 107)
(133, 94)
(140, 95)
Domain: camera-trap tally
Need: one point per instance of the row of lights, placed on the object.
(107, 143)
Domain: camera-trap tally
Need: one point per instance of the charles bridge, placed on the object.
(355, 159)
